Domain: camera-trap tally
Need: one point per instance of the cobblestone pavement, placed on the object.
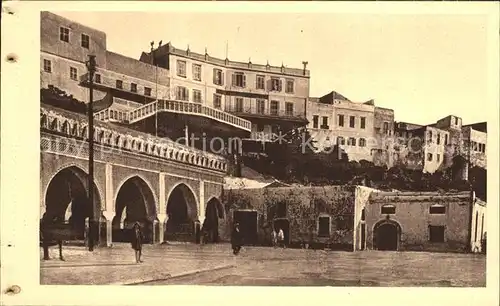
(259, 266)
(292, 267)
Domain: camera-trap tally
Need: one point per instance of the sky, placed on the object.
(425, 67)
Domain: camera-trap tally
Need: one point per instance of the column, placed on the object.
(109, 201)
(162, 224)
(201, 206)
(108, 228)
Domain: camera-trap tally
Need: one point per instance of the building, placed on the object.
(335, 120)
(272, 98)
(474, 137)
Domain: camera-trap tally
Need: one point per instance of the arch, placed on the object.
(66, 198)
(182, 211)
(134, 202)
(386, 235)
(213, 212)
(43, 121)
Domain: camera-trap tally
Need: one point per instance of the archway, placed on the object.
(213, 213)
(182, 212)
(134, 203)
(386, 236)
(66, 199)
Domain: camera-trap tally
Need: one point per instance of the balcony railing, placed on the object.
(263, 136)
(288, 114)
(171, 106)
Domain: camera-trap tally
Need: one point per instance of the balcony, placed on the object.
(172, 106)
(266, 113)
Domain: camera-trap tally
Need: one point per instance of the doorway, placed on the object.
(248, 225)
(386, 236)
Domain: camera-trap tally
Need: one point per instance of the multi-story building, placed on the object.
(474, 143)
(335, 120)
(272, 98)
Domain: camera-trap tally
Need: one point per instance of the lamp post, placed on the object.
(91, 68)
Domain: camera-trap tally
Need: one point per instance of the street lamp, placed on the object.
(91, 68)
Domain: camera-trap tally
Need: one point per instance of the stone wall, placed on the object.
(478, 226)
(303, 208)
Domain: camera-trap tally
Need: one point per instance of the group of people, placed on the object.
(137, 237)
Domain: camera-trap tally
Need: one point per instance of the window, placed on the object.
(217, 101)
(275, 84)
(351, 141)
(340, 140)
(260, 82)
(388, 210)
(363, 217)
(182, 93)
(97, 78)
(239, 80)
(438, 140)
(289, 86)
(341, 120)
(73, 73)
(324, 226)
(436, 233)
(274, 108)
(85, 41)
(429, 136)
(429, 156)
(351, 121)
(133, 87)
(386, 128)
(456, 121)
(218, 77)
(363, 122)
(147, 91)
(438, 157)
(181, 68)
(196, 95)
(315, 121)
(445, 139)
(261, 106)
(362, 142)
(437, 210)
(324, 124)
(119, 84)
(289, 109)
(47, 65)
(196, 72)
(64, 34)
(239, 104)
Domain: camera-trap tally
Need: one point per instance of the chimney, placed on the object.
(305, 66)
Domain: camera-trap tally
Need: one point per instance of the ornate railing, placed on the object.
(172, 106)
(76, 126)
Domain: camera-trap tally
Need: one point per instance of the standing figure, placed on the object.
(136, 241)
(281, 238)
(236, 239)
(274, 238)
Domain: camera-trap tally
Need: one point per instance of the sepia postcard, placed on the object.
(221, 153)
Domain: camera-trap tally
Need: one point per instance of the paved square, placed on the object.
(260, 266)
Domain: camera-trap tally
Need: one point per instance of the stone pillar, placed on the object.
(162, 224)
(109, 201)
(107, 229)
(201, 205)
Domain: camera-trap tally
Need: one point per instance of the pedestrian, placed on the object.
(281, 238)
(136, 241)
(236, 239)
(274, 238)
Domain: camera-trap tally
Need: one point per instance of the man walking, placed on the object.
(236, 239)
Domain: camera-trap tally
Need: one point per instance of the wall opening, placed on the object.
(387, 235)
(248, 225)
(182, 213)
(213, 213)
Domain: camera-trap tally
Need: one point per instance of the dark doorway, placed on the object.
(213, 213)
(386, 237)
(248, 225)
(134, 203)
(283, 224)
(182, 213)
(67, 199)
